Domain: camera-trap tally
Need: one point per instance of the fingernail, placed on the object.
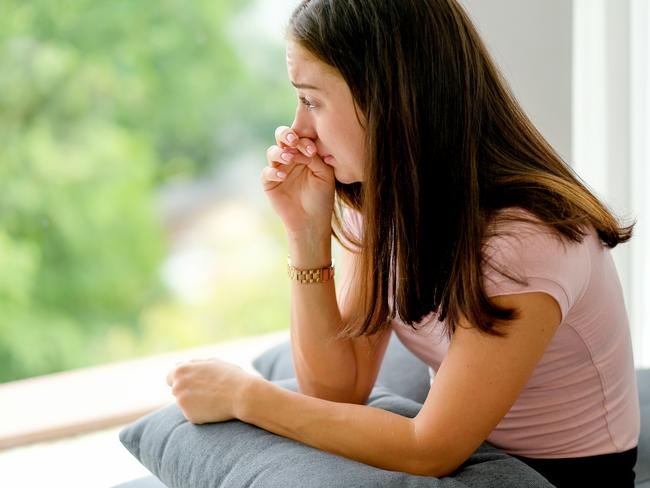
(291, 138)
(287, 156)
(281, 174)
(310, 150)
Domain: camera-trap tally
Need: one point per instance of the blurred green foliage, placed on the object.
(100, 104)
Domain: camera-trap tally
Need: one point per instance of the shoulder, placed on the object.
(522, 254)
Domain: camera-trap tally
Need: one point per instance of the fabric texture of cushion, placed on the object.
(401, 372)
(642, 467)
(236, 454)
(276, 364)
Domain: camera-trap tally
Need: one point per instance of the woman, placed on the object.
(464, 232)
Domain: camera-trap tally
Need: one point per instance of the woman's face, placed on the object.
(326, 113)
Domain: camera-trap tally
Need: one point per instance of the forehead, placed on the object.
(304, 68)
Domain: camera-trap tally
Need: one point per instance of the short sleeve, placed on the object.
(525, 257)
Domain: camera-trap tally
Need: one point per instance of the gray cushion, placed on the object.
(642, 467)
(236, 454)
(276, 364)
(401, 372)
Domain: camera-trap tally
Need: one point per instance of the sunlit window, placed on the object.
(131, 215)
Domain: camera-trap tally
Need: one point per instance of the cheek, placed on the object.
(326, 131)
(356, 144)
(343, 138)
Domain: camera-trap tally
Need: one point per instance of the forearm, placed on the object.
(366, 434)
(325, 367)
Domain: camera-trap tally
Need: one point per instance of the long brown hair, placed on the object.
(448, 146)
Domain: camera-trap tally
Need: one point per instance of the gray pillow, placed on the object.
(236, 454)
(401, 372)
(407, 376)
(642, 467)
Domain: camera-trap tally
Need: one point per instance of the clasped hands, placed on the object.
(209, 390)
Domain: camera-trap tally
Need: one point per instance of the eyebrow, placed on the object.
(305, 86)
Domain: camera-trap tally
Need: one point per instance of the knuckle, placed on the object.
(182, 370)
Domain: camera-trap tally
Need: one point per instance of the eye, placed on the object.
(307, 103)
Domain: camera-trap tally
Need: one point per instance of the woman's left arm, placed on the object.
(475, 386)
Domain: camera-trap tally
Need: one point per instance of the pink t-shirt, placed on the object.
(581, 399)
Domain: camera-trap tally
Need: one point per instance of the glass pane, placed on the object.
(131, 215)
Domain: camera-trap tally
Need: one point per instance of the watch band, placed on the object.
(316, 275)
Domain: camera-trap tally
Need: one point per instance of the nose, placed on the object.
(303, 124)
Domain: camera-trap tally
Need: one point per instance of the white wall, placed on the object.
(601, 106)
(581, 70)
(531, 42)
(611, 132)
(640, 177)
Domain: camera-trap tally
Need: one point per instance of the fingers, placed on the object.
(179, 364)
(290, 149)
(272, 174)
(306, 147)
(286, 137)
(276, 156)
(278, 167)
(281, 164)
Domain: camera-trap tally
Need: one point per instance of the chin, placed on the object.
(346, 179)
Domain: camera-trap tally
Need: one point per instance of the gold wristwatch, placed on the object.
(317, 275)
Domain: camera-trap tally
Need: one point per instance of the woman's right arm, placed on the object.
(342, 370)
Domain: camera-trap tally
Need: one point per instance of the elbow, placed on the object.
(439, 460)
(437, 468)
